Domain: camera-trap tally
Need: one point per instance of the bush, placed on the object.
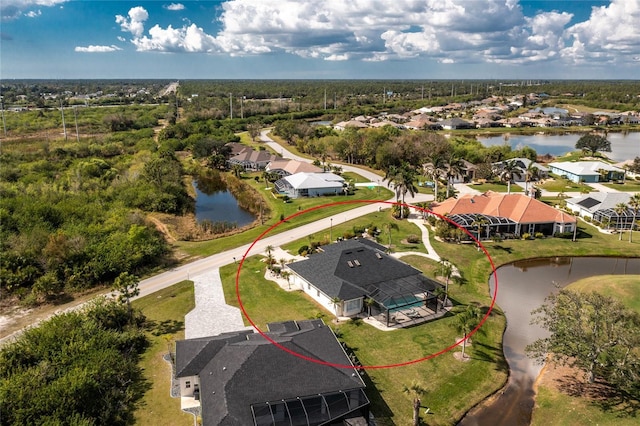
(526, 236)
(413, 239)
(564, 235)
(539, 235)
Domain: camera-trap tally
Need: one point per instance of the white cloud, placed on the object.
(135, 23)
(448, 31)
(33, 13)
(13, 9)
(97, 49)
(612, 34)
(174, 6)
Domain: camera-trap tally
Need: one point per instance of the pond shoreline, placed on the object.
(513, 403)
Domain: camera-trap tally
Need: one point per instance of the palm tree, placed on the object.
(337, 302)
(266, 176)
(634, 204)
(403, 180)
(286, 275)
(237, 170)
(466, 321)
(270, 259)
(369, 302)
(531, 173)
(480, 222)
(453, 168)
(620, 209)
(509, 170)
(389, 226)
(434, 170)
(416, 389)
(445, 271)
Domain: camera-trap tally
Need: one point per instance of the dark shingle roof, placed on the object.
(253, 371)
(354, 268)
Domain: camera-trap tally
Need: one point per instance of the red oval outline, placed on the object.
(336, 365)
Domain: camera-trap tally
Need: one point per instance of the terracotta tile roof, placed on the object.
(517, 207)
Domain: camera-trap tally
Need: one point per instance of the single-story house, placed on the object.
(505, 214)
(241, 378)
(351, 123)
(286, 167)
(251, 159)
(587, 171)
(345, 275)
(310, 184)
(600, 207)
(456, 123)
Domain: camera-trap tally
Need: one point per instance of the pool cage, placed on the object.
(409, 299)
(489, 225)
(314, 410)
(615, 220)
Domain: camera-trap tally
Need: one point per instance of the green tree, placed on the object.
(509, 170)
(634, 204)
(416, 390)
(452, 169)
(620, 209)
(593, 143)
(466, 321)
(254, 129)
(126, 285)
(402, 179)
(445, 270)
(592, 332)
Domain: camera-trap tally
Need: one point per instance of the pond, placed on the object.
(624, 146)
(214, 203)
(522, 287)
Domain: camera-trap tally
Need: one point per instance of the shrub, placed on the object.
(539, 235)
(564, 235)
(304, 249)
(413, 239)
(526, 236)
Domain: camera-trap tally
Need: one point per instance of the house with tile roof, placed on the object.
(310, 184)
(242, 379)
(287, 167)
(343, 275)
(505, 214)
(251, 159)
(587, 171)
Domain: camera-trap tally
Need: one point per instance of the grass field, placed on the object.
(559, 184)
(557, 407)
(165, 311)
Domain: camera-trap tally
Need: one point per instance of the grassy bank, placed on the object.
(165, 311)
(558, 405)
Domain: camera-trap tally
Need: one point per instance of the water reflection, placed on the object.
(214, 203)
(522, 287)
(624, 145)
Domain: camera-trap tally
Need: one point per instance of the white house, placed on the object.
(310, 184)
(587, 171)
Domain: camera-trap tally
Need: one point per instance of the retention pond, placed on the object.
(522, 287)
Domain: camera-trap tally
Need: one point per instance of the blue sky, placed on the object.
(321, 39)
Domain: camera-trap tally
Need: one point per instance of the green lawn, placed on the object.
(627, 186)
(279, 208)
(559, 184)
(555, 407)
(495, 187)
(165, 311)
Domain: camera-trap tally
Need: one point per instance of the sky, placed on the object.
(320, 39)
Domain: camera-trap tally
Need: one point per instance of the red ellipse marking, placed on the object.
(336, 365)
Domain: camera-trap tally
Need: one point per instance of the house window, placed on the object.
(187, 384)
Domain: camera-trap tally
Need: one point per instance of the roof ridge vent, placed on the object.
(357, 262)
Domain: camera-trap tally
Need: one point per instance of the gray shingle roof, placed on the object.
(250, 371)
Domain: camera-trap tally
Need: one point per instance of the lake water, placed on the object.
(216, 204)
(624, 146)
(522, 287)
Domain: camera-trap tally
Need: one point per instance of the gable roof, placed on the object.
(251, 156)
(248, 370)
(517, 207)
(355, 268)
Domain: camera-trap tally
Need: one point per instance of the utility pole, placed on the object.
(64, 126)
(241, 106)
(4, 124)
(325, 99)
(75, 115)
(231, 105)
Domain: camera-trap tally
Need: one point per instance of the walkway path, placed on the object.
(212, 315)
